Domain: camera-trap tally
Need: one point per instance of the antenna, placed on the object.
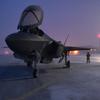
(66, 39)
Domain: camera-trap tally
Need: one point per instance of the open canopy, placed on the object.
(32, 16)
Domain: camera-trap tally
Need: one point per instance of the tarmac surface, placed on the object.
(80, 82)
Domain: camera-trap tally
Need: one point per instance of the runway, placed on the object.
(80, 82)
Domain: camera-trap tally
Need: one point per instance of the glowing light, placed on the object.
(6, 53)
(98, 36)
(75, 52)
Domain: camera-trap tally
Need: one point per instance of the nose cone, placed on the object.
(15, 42)
(9, 41)
(25, 43)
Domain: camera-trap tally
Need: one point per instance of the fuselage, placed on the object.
(25, 43)
(31, 39)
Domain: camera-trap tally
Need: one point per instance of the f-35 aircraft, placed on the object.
(31, 44)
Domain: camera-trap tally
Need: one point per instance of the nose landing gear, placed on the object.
(34, 67)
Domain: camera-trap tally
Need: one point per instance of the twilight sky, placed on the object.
(78, 18)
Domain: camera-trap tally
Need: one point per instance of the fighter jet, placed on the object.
(31, 44)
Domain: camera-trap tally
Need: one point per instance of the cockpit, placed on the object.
(30, 19)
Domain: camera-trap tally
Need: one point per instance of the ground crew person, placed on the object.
(88, 57)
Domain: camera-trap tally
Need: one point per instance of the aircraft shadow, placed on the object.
(55, 68)
(15, 72)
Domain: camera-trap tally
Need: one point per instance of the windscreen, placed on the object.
(31, 16)
(29, 19)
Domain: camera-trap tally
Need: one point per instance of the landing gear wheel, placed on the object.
(34, 73)
(68, 64)
(29, 64)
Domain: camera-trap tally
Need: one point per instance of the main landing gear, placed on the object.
(68, 64)
(67, 61)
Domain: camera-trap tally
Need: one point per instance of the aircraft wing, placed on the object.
(71, 48)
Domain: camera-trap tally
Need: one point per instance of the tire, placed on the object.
(29, 64)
